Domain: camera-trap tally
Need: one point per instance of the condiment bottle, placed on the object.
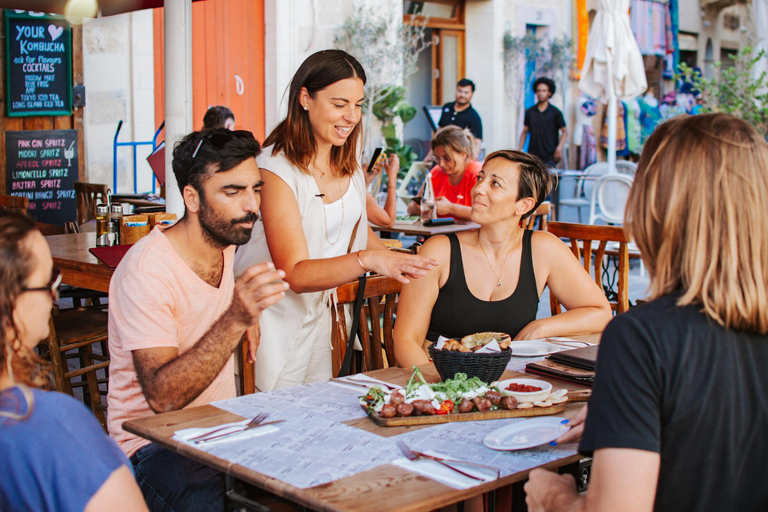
(103, 225)
(116, 213)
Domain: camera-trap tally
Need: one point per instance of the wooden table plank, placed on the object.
(78, 266)
(382, 488)
(417, 229)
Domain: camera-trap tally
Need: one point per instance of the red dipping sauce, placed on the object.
(522, 388)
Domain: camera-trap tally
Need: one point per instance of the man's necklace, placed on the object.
(501, 270)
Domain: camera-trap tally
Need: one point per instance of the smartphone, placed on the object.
(374, 159)
(443, 221)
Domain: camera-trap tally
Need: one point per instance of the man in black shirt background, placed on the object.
(461, 113)
(544, 121)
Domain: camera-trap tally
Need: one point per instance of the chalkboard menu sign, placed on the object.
(42, 166)
(38, 70)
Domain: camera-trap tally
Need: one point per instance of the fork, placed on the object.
(227, 434)
(255, 421)
(411, 455)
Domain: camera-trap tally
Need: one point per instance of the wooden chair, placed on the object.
(14, 203)
(87, 196)
(596, 236)
(540, 216)
(73, 336)
(381, 294)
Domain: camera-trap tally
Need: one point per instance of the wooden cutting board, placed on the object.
(405, 421)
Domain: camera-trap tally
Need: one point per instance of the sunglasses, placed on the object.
(52, 287)
(220, 138)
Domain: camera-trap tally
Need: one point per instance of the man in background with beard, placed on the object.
(176, 313)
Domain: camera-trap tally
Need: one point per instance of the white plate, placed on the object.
(526, 434)
(533, 348)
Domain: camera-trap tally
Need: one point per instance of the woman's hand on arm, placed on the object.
(587, 309)
(414, 309)
(396, 265)
(378, 215)
(622, 479)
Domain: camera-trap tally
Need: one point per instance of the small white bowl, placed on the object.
(534, 396)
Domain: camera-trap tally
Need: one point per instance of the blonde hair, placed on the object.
(697, 211)
(454, 140)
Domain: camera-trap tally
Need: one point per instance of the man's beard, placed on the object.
(221, 232)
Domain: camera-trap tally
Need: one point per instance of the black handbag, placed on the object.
(347, 363)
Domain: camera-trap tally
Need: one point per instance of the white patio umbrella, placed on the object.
(613, 66)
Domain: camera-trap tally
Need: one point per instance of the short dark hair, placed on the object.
(200, 154)
(466, 82)
(546, 81)
(216, 117)
(536, 178)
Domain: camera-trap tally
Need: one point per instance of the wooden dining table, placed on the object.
(416, 228)
(382, 488)
(78, 266)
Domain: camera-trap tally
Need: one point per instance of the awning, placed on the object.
(107, 7)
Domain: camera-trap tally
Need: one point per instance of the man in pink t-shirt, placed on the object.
(176, 313)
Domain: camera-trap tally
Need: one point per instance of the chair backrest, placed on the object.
(541, 215)
(626, 167)
(14, 203)
(587, 240)
(87, 196)
(609, 198)
(589, 177)
(377, 336)
(415, 171)
(73, 334)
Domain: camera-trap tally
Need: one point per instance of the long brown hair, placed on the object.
(16, 264)
(697, 211)
(294, 136)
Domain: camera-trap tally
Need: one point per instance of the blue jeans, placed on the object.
(173, 483)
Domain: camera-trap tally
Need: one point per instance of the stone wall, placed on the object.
(119, 82)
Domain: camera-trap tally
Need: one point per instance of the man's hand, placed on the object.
(443, 206)
(547, 491)
(253, 336)
(258, 288)
(558, 154)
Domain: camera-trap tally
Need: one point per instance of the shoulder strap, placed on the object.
(347, 363)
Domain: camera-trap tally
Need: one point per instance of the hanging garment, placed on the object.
(621, 133)
(634, 143)
(588, 154)
(650, 115)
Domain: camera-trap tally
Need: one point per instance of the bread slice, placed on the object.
(480, 339)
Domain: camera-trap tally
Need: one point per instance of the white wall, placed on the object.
(118, 71)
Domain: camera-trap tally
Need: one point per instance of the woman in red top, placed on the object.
(454, 175)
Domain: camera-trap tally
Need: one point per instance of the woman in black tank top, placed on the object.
(490, 279)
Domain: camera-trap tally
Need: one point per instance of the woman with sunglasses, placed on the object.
(55, 455)
(315, 225)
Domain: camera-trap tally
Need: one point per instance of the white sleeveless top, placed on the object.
(337, 230)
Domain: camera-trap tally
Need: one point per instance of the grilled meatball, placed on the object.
(404, 409)
(388, 411)
(493, 396)
(509, 403)
(397, 397)
(424, 406)
(482, 404)
(466, 405)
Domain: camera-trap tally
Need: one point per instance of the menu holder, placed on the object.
(584, 358)
(162, 219)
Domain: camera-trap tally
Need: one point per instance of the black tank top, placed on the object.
(458, 313)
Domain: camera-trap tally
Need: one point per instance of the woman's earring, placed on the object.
(306, 108)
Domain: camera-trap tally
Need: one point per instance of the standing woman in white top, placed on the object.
(314, 223)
